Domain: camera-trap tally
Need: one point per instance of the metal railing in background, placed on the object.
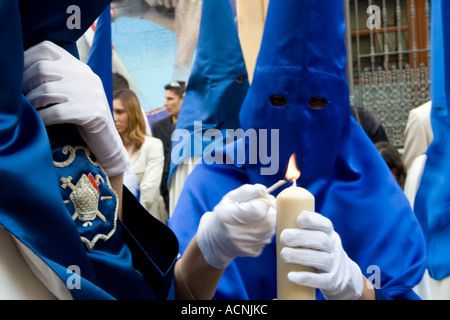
(388, 67)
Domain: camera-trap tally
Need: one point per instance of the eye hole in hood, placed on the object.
(278, 101)
(317, 102)
(240, 79)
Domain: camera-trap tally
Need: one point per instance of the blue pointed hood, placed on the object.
(432, 199)
(302, 57)
(217, 84)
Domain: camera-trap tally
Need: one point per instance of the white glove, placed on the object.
(316, 244)
(65, 90)
(240, 225)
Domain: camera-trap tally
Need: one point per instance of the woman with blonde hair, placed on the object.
(146, 153)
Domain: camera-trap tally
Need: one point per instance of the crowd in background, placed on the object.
(149, 146)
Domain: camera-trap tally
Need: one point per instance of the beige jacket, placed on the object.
(418, 133)
(147, 164)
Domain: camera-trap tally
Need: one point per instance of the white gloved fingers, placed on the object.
(34, 76)
(251, 212)
(271, 219)
(44, 50)
(53, 77)
(254, 219)
(316, 244)
(35, 82)
(49, 94)
(314, 221)
(269, 200)
(320, 260)
(337, 275)
(45, 71)
(309, 279)
(114, 160)
(43, 102)
(247, 192)
(264, 229)
(237, 228)
(248, 204)
(305, 238)
(47, 57)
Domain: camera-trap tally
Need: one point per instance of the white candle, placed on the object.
(290, 203)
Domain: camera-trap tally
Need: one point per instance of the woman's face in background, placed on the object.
(120, 116)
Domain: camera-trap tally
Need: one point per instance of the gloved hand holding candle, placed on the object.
(315, 244)
(309, 251)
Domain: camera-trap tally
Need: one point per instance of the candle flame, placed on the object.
(292, 172)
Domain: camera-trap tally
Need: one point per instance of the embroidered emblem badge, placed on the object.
(87, 194)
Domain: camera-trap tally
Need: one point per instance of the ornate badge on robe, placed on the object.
(87, 193)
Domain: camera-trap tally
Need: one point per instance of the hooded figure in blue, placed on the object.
(74, 259)
(432, 200)
(216, 88)
(300, 91)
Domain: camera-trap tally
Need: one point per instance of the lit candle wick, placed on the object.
(294, 182)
